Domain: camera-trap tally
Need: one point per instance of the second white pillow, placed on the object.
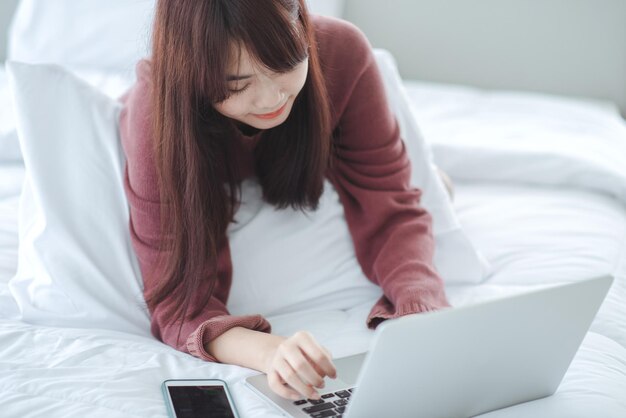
(76, 265)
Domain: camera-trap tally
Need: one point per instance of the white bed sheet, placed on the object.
(533, 235)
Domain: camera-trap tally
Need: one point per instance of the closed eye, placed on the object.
(241, 90)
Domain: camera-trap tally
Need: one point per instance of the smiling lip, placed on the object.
(271, 115)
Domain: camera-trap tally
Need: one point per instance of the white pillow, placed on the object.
(83, 34)
(456, 259)
(76, 265)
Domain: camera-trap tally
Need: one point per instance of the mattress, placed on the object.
(535, 231)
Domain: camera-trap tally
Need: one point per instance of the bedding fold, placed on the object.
(523, 137)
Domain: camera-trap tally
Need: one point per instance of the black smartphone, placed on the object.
(198, 398)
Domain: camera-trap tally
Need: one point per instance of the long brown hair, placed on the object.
(199, 181)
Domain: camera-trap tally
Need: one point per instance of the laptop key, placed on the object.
(341, 402)
(300, 402)
(340, 409)
(324, 414)
(343, 394)
(317, 408)
(315, 401)
(328, 395)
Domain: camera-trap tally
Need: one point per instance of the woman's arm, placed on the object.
(391, 231)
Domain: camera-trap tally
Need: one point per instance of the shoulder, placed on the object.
(340, 42)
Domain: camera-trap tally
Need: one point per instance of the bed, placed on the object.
(540, 188)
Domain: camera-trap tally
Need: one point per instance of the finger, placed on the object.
(315, 366)
(289, 375)
(302, 365)
(318, 354)
(278, 386)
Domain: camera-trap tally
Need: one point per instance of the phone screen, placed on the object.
(200, 401)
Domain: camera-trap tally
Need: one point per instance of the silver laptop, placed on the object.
(459, 362)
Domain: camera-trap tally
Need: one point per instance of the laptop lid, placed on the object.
(465, 361)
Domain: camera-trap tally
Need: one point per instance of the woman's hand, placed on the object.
(300, 362)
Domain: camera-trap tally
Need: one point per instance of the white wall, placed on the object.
(569, 47)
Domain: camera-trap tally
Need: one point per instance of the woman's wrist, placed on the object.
(245, 347)
(269, 352)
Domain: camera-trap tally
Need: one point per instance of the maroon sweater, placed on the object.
(391, 232)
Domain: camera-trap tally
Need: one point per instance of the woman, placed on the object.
(240, 88)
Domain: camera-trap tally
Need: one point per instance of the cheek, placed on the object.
(232, 107)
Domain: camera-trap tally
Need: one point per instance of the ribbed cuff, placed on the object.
(384, 309)
(216, 326)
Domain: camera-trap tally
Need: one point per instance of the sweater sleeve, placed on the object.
(141, 187)
(391, 232)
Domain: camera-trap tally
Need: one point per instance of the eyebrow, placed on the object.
(237, 77)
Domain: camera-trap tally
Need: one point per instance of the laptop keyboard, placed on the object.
(332, 404)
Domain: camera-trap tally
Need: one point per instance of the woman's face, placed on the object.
(259, 97)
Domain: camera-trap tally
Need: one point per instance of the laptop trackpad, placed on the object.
(348, 368)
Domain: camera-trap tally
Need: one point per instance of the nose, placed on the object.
(269, 96)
